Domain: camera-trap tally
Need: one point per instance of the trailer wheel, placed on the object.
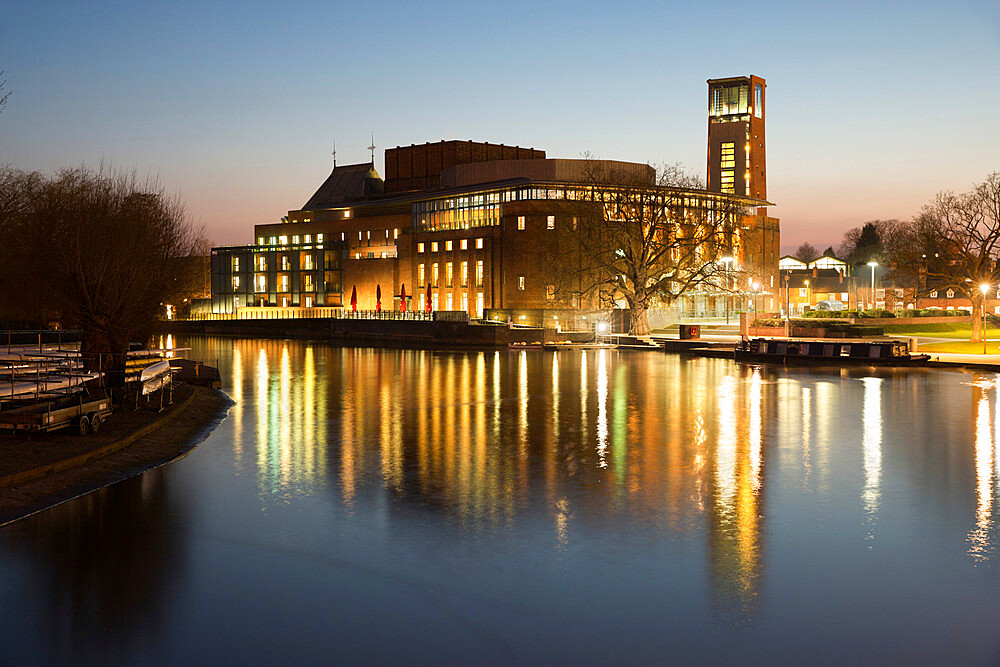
(95, 422)
(83, 425)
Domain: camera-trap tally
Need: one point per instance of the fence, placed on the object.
(276, 313)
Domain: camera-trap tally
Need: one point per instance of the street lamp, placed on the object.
(873, 265)
(727, 260)
(788, 276)
(984, 288)
(808, 296)
(756, 286)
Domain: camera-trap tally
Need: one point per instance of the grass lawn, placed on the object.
(956, 330)
(963, 347)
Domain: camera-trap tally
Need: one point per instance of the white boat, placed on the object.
(155, 376)
(45, 384)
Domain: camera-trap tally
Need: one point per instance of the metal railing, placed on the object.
(278, 313)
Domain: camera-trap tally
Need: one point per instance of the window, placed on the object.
(283, 240)
(479, 273)
(261, 283)
(285, 264)
(308, 238)
(434, 274)
(479, 304)
(727, 155)
(520, 223)
(295, 238)
(934, 294)
(465, 302)
(464, 274)
(284, 283)
(260, 240)
(262, 262)
(309, 302)
(359, 236)
(447, 245)
(368, 235)
(464, 244)
(727, 182)
(803, 291)
(434, 246)
(273, 240)
(236, 263)
(550, 292)
(420, 247)
(236, 282)
(434, 301)
(449, 301)
(479, 244)
(347, 213)
(395, 234)
(758, 100)
(447, 275)
(550, 222)
(520, 283)
(950, 294)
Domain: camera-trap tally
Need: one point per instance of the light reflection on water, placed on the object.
(714, 495)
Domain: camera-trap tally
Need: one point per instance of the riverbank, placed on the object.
(42, 470)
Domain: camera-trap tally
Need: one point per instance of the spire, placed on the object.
(334, 153)
(372, 148)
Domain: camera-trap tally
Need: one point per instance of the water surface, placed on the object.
(590, 506)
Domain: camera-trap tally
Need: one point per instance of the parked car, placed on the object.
(830, 304)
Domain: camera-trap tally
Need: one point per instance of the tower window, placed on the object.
(727, 155)
(758, 100)
(727, 181)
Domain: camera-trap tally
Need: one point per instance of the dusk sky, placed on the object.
(872, 109)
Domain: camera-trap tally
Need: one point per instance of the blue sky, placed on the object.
(872, 107)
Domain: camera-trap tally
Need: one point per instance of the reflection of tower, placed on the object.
(735, 512)
(736, 163)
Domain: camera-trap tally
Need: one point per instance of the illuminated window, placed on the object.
(285, 264)
(464, 274)
(465, 302)
(479, 244)
(283, 283)
(308, 238)
(727, 182)
(260, 240)
(262, 262)
(520, 223)
(359, 236)
(729, 100)
(449, 301)
(236, 282)
(434, 301)
(950, 294)
(434, 246)
(550, 222)
(464, 244)
(420, 247)
(307, 262)
(395, 234)
(283, 240)
(447, 245)
(520, 283)
(236, 263)
(727, 155)
(434, 274)
(261, 283)
(347, 213)
(550, 292)
(758, 100)
(273, 240)
(368, 235)
(420, 274)
(447, 274)
(479, 273)
(295, 238)
(479, 304)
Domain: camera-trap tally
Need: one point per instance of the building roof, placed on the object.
(347, 183)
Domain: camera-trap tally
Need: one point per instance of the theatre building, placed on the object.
(456, 224)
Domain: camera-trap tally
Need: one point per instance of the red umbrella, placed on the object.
(354, 298)
(378, 298)
(427, 303)
(402, 297)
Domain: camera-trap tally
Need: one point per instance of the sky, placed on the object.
(872, 108)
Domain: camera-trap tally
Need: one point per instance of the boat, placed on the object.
(155, 376)
(828, 352)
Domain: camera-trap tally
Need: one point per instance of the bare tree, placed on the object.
(4, 96)
(806, 253)
(95, 249)
(954, 244)
(640, 239)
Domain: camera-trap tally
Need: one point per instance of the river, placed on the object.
(366, 506)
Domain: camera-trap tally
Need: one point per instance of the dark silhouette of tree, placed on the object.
(806, 253)
(93, 249)
(954, 243)
(829, 252)
(637, 238)
(4, 96)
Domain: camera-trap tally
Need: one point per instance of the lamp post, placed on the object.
(808, 296)
(727, 260)
(756, 286)
(788, 277)
(873, 265)
(984, 288)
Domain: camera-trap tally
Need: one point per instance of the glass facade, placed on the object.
(730, 100)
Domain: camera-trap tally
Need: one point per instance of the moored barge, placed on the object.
(829, 352)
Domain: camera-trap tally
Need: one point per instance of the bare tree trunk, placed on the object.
(639, 321)
(977, 321)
